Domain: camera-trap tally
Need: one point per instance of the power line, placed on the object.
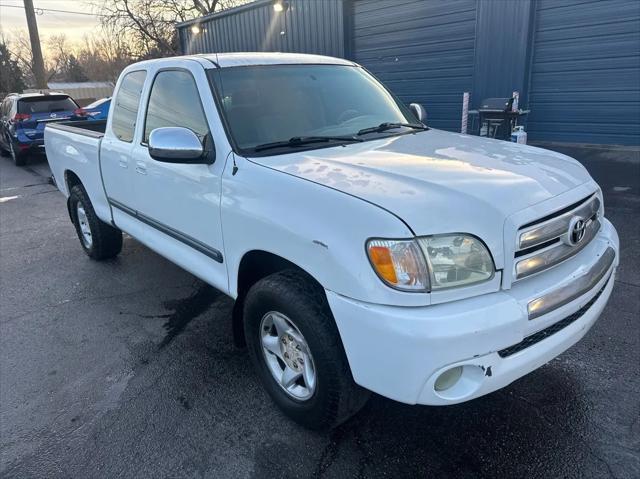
(39, 10)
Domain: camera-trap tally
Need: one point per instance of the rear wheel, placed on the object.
(19, 159)
(296, 349)
(97, 238)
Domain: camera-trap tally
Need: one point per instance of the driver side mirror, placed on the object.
(419, 111)
(176, 145)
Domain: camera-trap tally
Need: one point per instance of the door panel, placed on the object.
(117, 144)
(180, 202)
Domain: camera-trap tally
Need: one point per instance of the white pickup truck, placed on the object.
(364, 250)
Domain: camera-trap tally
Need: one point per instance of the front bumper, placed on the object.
(399, 352)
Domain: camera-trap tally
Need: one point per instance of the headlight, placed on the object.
(432, 262)
(456, 260)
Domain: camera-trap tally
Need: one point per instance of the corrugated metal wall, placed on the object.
(578, 60)
(585, 80)
(308, 26)
(422, 50)
(503, 37)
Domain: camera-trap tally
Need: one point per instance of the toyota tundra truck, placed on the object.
(364, 250)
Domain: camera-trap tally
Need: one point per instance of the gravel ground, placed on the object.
(127, 369)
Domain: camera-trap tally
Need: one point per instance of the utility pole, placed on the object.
(36, 51)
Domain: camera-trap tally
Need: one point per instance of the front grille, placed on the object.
(551, 330)
(547, 241)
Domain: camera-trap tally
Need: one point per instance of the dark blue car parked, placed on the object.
(23, 118)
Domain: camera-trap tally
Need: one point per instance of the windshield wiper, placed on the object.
(390, 126)
(304, 140)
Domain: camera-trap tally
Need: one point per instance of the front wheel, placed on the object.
(296, 349)
(98, 239)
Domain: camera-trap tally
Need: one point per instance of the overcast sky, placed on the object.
(50, 23)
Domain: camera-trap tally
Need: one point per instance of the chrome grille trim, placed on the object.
(556, 227)
(579, 286)
(554, 254)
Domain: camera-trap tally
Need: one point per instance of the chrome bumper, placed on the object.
(564, 295)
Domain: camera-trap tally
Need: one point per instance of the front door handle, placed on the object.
(141, 167)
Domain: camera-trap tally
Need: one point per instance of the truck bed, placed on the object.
(74, 146)
(92, 128)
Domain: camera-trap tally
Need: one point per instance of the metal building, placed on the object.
(307, 26)
(575, 63)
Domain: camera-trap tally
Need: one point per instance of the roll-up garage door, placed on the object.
(585, 77)
(423, 51)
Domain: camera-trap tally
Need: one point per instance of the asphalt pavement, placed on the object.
(127, 368)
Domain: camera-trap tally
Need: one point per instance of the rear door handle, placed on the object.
(141, 167)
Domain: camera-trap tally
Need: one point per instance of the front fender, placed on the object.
(319, 229)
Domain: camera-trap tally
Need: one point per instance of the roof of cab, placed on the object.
(262, 58)
(225, 60)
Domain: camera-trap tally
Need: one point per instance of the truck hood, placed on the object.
(437, 181)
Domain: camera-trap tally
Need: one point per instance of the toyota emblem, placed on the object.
(53, 115)
(576, 231)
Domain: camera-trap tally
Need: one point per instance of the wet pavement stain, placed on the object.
(330, 451)
(184, 402)
(185, 310)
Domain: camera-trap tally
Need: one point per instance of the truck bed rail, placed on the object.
(91, 128)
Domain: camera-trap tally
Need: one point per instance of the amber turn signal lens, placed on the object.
(399, 263)
(383, 264)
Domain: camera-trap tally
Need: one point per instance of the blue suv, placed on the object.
(23, 118)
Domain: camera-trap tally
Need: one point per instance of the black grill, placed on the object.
(549, 331)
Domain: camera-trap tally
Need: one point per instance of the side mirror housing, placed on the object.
(176, 145)
(419, 111)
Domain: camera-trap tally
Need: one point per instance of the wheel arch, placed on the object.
(255, 265)
(70, 180)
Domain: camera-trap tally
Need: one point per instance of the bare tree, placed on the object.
(104, 55)
(59, 52)
(63, 60)
(149, 25)
(20, 48)
(11, 76)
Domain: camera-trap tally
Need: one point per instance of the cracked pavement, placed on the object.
(127, 368)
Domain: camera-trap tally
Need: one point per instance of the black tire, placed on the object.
(19, 159)
(336, 397)
(106, 241)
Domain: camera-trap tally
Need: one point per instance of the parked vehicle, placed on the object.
(23, 118)
(364, 250)
(98, 110)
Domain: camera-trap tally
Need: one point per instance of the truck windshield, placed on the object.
(273, 109)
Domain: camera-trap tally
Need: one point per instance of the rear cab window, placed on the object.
(126, 105)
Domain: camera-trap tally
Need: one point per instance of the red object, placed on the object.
(80, 112)
(21, 116)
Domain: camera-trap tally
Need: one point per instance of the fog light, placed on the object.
(448, 378)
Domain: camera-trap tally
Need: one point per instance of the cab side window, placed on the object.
(127, 102)
(174, 101)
